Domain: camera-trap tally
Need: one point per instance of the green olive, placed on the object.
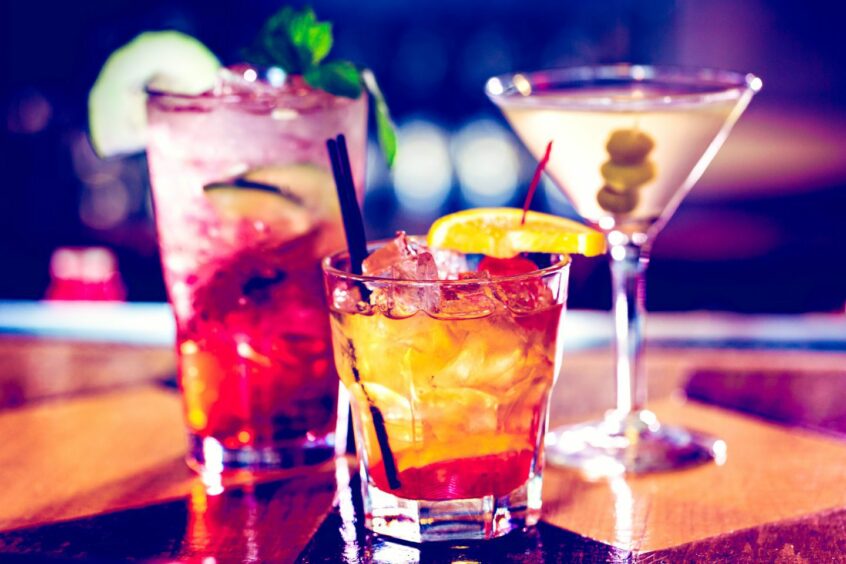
(629, 146)
(617, 202)
(627, 177)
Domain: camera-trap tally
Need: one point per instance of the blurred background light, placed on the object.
(104, 203)
(487, 163)
(275, 76)
(29, 112)
(422, 170)
(778, 185)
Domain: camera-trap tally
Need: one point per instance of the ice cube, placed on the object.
(491, 357)
(397, 302)
(426, 268)
(451, 265)
(467, 367)
(453, 412)
(467, 300)
(402, 259)
(380, 261)
(347, 298)
(245, 82)
(524, 296)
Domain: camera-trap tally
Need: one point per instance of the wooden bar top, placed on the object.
(92, 446)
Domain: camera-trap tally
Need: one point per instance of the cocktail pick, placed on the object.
(533, 186)
(357, 244)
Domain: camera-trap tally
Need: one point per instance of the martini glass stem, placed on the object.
(628, 267)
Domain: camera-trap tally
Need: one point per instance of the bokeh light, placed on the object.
(422, 170)
(28, 112)
(487, 162)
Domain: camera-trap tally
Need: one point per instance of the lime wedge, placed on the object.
(117, 118)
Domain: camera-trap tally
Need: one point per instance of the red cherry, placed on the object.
(507, 267)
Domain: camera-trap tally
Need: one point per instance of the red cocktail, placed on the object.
(245, 208)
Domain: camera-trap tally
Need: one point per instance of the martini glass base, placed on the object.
(634, 443)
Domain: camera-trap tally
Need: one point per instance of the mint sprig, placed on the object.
(294, 41)
(340, 78)
(298, 43)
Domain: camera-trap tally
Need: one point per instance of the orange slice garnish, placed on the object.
(497, 232)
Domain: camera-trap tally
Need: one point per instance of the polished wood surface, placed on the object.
(90, 454)
(770, 474)
(94, 458)
(33, 369)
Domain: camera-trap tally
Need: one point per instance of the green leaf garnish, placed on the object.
(275, 45)
(338, 77)
(312, 39)
(299, 43)
(385, 128)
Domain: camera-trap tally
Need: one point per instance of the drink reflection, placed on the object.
(361, 545)
(317, 516)
(223, 523)
(243, 522)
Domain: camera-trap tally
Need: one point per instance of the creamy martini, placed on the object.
(628, 142)
(625, 163)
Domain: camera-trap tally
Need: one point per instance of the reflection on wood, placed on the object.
(770, 474)
(268, 522)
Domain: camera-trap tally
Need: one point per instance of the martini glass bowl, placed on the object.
(628, 142)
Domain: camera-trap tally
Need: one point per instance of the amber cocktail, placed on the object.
(449, 370)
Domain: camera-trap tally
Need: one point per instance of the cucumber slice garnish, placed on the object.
(117, 117)
(291, 199)
(307, 184)
(236, 203)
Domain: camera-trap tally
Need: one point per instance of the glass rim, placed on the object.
(507, 89)
(166, 101)
(328, 267)
(154, 93)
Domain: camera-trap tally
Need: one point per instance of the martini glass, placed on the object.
(628, 142)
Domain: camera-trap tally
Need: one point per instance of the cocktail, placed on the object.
(628, 142)
(449, 370)
(245, 209)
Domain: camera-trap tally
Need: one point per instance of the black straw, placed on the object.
(351, 213)
(357, 244)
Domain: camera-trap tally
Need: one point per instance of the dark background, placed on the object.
(762, 232)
